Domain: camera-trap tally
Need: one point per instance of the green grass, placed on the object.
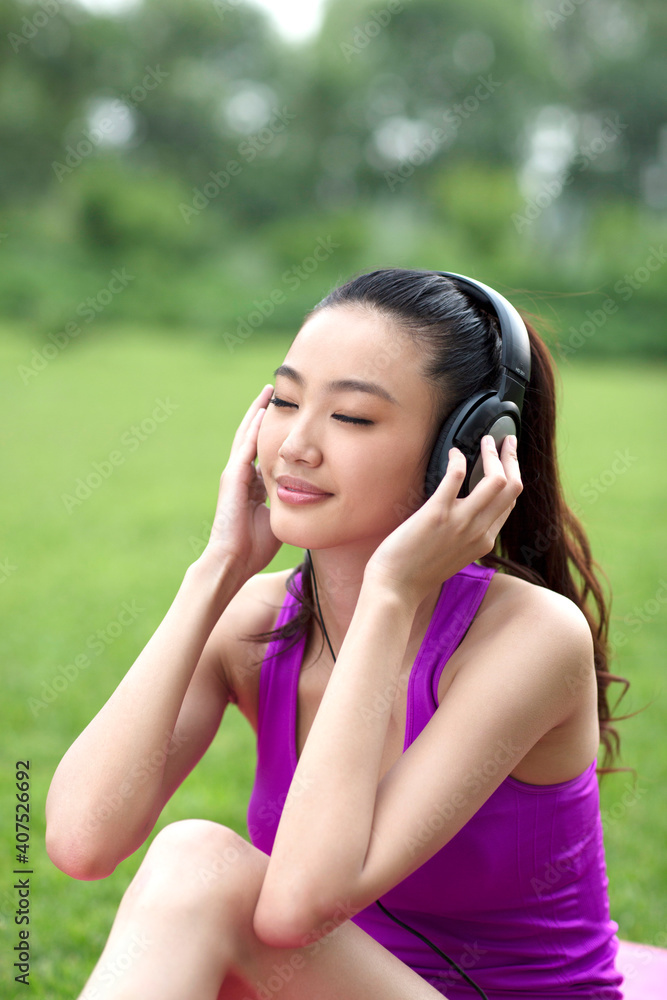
(133, 537)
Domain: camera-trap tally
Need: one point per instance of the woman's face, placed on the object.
(346, 362)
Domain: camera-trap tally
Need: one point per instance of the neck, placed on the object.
(339, 575)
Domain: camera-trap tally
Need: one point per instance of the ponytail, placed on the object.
(544, 543)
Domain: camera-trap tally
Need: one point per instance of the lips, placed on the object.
(300, 486)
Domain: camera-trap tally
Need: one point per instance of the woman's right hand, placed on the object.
(241, 531)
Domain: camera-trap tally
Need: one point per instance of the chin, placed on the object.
(297, 529)
(289, 531)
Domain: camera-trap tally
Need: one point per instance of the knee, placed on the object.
(193, 841)
(196, 862)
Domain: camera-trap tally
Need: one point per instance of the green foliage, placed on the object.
(189, 144)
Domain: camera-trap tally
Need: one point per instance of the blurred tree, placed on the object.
(191, 133)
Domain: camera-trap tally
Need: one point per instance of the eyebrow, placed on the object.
(340, 384)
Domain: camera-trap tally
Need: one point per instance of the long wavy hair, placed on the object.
(541, 541)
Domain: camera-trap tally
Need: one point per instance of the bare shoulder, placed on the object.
(534, 646)
(252, 611)
(542, 633)
(516, 605)
(517, 615)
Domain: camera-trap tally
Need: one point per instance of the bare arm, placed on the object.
(109, 789)
(113, 782)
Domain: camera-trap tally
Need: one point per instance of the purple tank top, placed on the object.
(518, 897)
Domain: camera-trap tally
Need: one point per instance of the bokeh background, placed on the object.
(181, 182)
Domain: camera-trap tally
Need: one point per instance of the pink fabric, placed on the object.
(644, 968)
(518, 898)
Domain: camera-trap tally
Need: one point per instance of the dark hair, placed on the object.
(541, 541)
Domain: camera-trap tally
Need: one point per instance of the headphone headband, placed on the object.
(495, 411)
(514, 341)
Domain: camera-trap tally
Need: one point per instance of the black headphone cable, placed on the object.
(384, 909)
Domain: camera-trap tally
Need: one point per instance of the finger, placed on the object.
(260, 401)
(489, 499)
(495, 475)
(490, 456)
(510, 459)
(509, 448)
(450, 484)
(501, 483)
(247, 449)
(501, 474)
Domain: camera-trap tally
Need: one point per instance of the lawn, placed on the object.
(87, 572)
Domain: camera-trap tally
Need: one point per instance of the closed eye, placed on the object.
(337, 416)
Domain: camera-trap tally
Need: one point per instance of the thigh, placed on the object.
(346, 964)
(217, 877)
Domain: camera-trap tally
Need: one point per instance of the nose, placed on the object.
(299, 444)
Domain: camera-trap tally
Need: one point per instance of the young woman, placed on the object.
(436, 754)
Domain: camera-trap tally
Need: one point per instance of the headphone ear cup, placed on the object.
(437, 466)
(499, 430)
(481, 414)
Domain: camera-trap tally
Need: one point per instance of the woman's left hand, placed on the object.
(448, 533)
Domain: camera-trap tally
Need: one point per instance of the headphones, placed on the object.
(494, 411)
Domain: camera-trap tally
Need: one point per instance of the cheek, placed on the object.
(385, 475)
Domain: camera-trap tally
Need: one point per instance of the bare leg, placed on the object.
(183, 931)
